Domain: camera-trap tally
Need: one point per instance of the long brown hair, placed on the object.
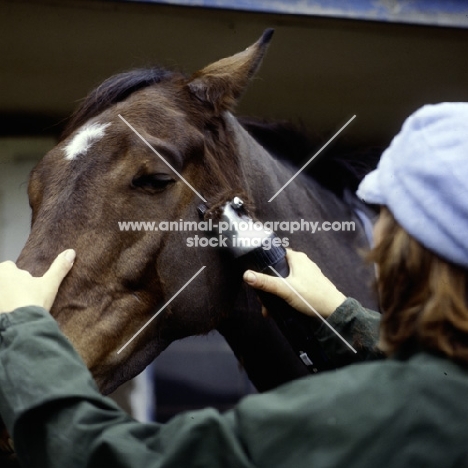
(423, 297)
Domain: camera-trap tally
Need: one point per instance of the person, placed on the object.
(407, 410)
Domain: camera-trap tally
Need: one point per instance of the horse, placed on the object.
(102, 173)
(149, 145)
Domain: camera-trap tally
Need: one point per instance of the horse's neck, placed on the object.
(263, 176)
(278, 195)
(258, 344)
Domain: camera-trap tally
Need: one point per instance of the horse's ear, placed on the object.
(221, 84)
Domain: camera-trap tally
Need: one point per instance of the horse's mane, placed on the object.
(115, 89)
(337, 168)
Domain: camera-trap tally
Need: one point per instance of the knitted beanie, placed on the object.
(422, 178)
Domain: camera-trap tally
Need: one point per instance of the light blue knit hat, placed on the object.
(422, 177)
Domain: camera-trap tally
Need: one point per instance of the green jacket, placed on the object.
(408, 411)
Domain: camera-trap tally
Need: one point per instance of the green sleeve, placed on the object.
(336, 419)
(358, 326)
(57, 417)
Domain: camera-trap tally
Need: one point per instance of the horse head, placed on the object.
(144, 146)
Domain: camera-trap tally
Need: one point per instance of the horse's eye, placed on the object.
(152, 182)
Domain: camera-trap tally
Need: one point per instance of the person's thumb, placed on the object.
(57, 271)
(266, 283)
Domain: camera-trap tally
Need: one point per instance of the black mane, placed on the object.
(340, 166)
(115, 89)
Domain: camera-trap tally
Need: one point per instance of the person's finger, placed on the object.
(261, 281)
(60, 268)
(6, 267)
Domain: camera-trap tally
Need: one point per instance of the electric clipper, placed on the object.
(257, 249)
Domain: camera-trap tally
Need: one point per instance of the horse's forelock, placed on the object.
(115, 89)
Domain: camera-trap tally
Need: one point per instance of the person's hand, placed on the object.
(19, 289)
(306, 278)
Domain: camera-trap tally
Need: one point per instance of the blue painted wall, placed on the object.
(448, 13)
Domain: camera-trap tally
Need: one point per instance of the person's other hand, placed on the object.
(19, 289)
(307, 279)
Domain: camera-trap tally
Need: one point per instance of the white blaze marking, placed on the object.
(83, 140)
